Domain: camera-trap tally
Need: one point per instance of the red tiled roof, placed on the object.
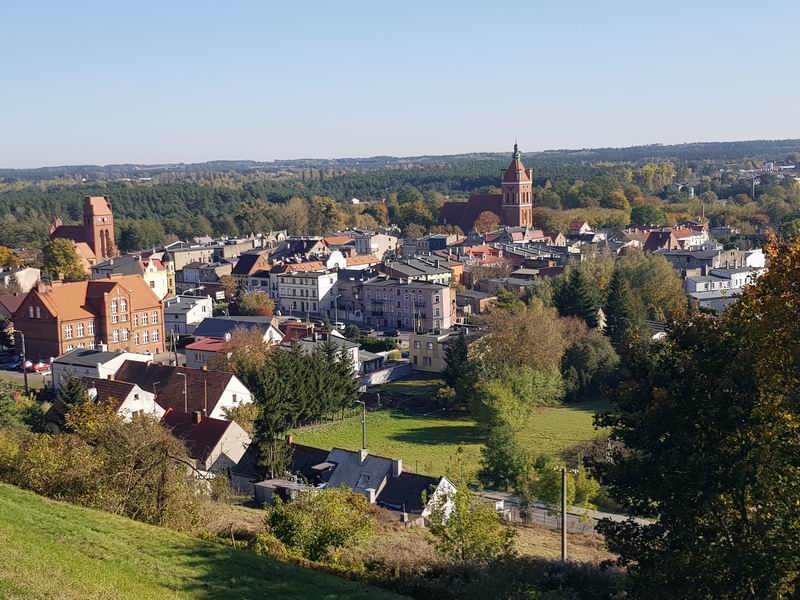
(200, 438)
(337, 240)
(169, 382)
(207, 345)
(361, 259)
(515, 167)
(11, 302)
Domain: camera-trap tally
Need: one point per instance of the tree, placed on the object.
(244, 350)
(647, 214)
(509, 300)
(656, 290)
(229, 286)
(8, 258)
(414, 213)
(502, 460)
(323, 215)
(319, 522)
(140, 234)
(624, 320)
(587, 366)
(255, 304)
(18, 409)
(467, 529)
(59, 259)
(578, 298)
(486, 221)
(616, 199)
(6, 333)
(712, 453)
(73, 392)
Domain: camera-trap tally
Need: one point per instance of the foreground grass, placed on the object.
(55, 550)
(438, 445)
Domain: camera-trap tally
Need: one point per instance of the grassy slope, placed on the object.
(55, 550)
(431, 444)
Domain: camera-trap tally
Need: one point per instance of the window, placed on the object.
(81, 345)
(426, 360)
(437, 323)
(155, 335)
(125, 335)
(436, 299)
(38, 312)
(91, 345)
(115, 336)
(144, 319)
(436, 312)
(152, 284)
(79, 330)
(30, 312)
(70, 347)
(68, 332)
(91, 327)
(430, 345)
(114, 319)
(154, 317)
(123, 305)
(145, 337)
(234, 398)
(114, 307)
(416, 345)
(136, 338)
(135, 320)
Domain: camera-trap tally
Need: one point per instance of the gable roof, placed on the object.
(219, 327)
(168, 384)
(405, 492)
(658, 240)
(249, 262)
(200, 438)
(11, 302)
(370, 474)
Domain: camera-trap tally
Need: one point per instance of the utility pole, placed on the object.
(24, 360)
(563, 514)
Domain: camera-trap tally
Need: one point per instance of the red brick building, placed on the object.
(94, 239)
(513, 207)
(120, 312)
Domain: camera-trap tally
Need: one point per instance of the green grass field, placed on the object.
(440, 446)
(54, 550)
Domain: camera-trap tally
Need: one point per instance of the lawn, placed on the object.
(55, 550)
(439, 445)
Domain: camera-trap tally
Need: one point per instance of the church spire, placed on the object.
(516, 154)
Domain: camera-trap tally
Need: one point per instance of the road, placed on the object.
(579, 520)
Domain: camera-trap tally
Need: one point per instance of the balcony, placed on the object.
(420, 303)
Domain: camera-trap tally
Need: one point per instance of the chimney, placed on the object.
(397, 467)
(197, 416)
(362, 456)
(102, 347)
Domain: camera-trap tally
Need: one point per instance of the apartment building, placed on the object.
(119, 313)
(312, 293)
(417, 305)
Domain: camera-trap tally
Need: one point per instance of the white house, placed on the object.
(188, 390)
(182, 314)
(216, 445)
(129, 400)
(100, 364)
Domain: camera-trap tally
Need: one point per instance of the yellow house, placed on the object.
(426, 351)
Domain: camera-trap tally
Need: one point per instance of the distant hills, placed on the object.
(777, 150)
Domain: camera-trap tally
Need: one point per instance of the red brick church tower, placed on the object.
(517, 186)
(98, 222)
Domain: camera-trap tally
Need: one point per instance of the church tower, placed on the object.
(517, 186)
(98, 224)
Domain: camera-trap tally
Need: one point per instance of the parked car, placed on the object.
(339, 325)
(391, 333)
(38, 367)
(10, 362)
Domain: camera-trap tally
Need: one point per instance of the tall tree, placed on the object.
(503, 462)
(59, 259)
(709, 422)
(578, 298)
(623, 319)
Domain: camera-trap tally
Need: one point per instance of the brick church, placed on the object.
(94, 239)
(513, 206)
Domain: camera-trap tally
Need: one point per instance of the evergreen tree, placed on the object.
(73, 392)
(459, 371)
(578, 298)
(502, 460)
(623, 321)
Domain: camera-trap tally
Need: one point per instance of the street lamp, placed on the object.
(24, 360)
(185, 400)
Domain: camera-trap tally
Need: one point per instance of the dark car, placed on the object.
(391, 333)
(10, 362)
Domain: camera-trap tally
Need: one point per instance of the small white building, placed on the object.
(100, 364)
(182, 314)
(216, 445)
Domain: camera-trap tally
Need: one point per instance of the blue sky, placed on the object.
(169, 81)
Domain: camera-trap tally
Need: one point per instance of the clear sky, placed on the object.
(169, 81)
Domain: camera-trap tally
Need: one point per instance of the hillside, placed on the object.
(55, 550)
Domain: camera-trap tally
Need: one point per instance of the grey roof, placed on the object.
(366, 355)
(699, 254)
(309, 343)
(125, 265)
(415, 267)
(186, 303)
(371, 474)
(85, 357)
(393, 282)
(477, 294)
(218, 327)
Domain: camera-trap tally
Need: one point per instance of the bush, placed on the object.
(318, 523)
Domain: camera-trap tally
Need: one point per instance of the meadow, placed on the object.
(55, 550)
(439, 444)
